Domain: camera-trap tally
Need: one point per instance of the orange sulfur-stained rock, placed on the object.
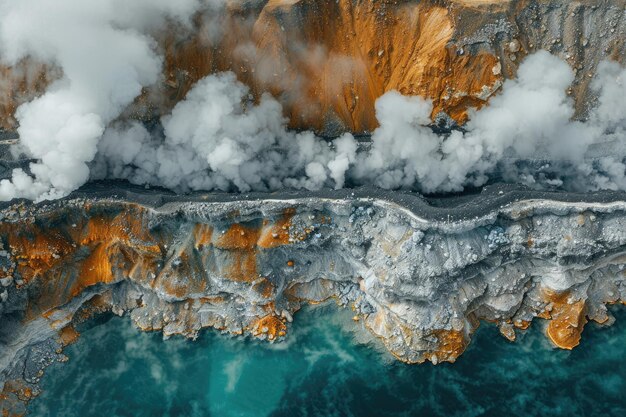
(36, 250)
(242, 267)
(246, 265)
(243, 243)
(450, 345)
(95, 269)
(333, 60)
(120, 228)
(238, 236)
(203, 235)
(277, 233)
(68, 335)
(567, 320)
(270, 325)
(240, 242)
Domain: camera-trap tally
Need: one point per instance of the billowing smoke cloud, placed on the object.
(106, 60)
(219, 139)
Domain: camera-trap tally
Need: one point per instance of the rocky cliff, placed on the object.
(327, 62)
(419, 274)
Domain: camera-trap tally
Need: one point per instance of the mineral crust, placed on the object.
(420, 274)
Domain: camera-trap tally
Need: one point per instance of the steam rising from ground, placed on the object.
(217, 138)
(106, 60)
(531, 118)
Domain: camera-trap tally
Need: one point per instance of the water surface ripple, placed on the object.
(326, 368)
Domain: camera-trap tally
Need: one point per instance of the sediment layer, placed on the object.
(419, 274)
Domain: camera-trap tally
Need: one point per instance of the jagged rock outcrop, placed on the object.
(419, 274)
(328, 61)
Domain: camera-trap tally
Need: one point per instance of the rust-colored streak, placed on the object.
(240, 241)
(277, 234)
(328, 62)
(202, 235)
(238, 236)
(121, 228)
(137, 263)
(69, 255)
(468, 84)
(102, 229)
(95, 269)
(35, 250)
(242, 267)
(330, 69)
(119, 243)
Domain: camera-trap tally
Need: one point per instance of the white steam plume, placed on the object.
(531, 117)
(106, 60)
(218, 138)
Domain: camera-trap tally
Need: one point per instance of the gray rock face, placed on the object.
(420, 274)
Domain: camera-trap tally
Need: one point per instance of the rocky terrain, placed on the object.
(327, 62)
(419, 274)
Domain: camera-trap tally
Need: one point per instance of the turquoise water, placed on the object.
(325, 369)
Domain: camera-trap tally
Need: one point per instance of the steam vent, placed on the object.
(312, 208)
